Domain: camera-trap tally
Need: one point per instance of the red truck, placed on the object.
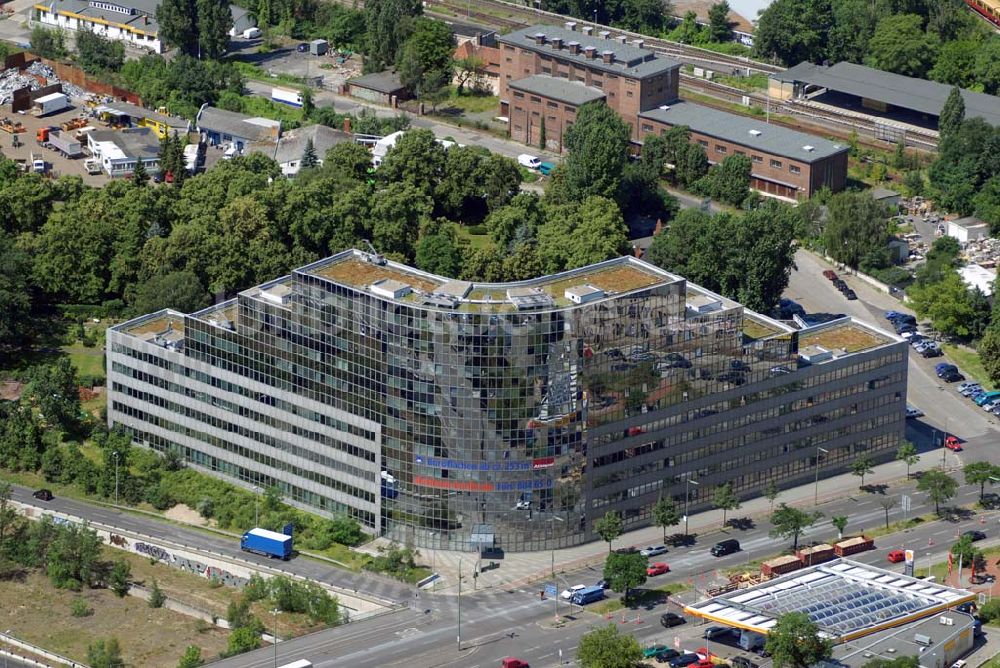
(853, 546)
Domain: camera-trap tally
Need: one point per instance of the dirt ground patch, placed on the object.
(187, 515)
(177, 584)
(38, 613)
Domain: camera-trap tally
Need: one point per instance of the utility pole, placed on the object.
(275, 638)
(816, 483)
(459, 603)
(256, 505)
(687, 497)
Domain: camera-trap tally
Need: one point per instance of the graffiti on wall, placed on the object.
(183, 563)
(118, 541)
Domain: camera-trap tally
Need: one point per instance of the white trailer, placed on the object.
(65, 143)
(50, 104)
(292, 98)
(191, 158)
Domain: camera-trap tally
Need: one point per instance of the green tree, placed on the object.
(242, 640)
(388, 24)
(989, 352)
(980, 473)
(887, 503)
(688, 31)
(308, 105)
(417, 159)
(609, 527)
(139, 175)
(728, 181)
(156, 596)
(541, 135)
(788, 522)
(793, 31)
(724, 498)
(48, 43)
(598, 151)
(105, 654)
(97, 55)
(605, 647)
(956, 63)
(309, 158)
(16, 295)
(438, 249)
(794, 642)
(54, 389)
(907, 453)
(179, 290)
(666, 514)
(949, 305)
(348, 158)
(840, 523)
(426, 54)
(191, 658)
(939, 487)
(625, 572)
(213, 24)
(691, 164)
(771, 493)
(952, 114)
(987, 66)
(862, 466)
(855, 227)
(900, 45)
(118, 580)
(176, 20)
(719, 27)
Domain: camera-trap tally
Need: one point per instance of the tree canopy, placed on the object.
(605, 647)
(794, 642)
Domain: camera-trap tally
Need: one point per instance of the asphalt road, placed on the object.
(372, 585)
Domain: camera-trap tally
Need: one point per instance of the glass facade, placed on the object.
(451, 415)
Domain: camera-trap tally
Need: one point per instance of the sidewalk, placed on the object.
(520, 569)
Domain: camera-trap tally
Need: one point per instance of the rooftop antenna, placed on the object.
(374, 257)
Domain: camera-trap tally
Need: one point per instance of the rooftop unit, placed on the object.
(581, 294)
(390, 289)
(815, 354)
(702, 304)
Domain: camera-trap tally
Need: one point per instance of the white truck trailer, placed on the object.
(292, 98)
(65, 143)
(50, 104)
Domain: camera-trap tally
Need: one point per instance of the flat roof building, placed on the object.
(967, 229)
(291, 146)
(785, 162)
(495, 408)
(384, 88)
(120, 151)
(229, 127)
(130, 21)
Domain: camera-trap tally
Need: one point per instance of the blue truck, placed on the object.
(588, 595)
(267, 543)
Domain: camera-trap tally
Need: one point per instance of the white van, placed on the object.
(529, 161)
(252, 33)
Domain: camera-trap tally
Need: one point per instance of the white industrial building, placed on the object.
(120, 151)
(130, 21)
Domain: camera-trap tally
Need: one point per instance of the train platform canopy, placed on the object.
(920, 95)
(844, 598)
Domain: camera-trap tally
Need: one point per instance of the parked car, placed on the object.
(529, 161)
(713, 632)
(913, 411)
(890, 315)
(896, 556)
(968, 385)
(653, 550)
(850, 295)
(666, 655)
(671, 619)
(567, 594)
(685, 659)
(941, 367)
(830, 274)
(302, 48)
(653, 650)
(631, 549)
(511, 662)
(974, 535)
(953, 444)
(952, 377)
(546, 168)
(603, 584)
(659, 568)
(986, 396)
(931, 351)
(43, 495)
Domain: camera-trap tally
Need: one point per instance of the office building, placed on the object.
(458, 415)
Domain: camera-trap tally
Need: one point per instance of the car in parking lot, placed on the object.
(952, 377)
(889, 315)
(953, 444)
(913, 411)
(930, 351)
(302, 48)
(941, 367)
(970, 390)
(567, 594)
(671, 619)
(666, 655)
(685, 659)
(850, 295)
(713, 632)
(896, 556)
(653, 650)
(982, 398)
(546, 168)
(968, 385)
(653, 550)
(631, 549)
(659, 568)
(830, 274)
(974, 535)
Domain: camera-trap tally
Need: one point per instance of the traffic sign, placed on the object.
(904, 503)
(550, 589)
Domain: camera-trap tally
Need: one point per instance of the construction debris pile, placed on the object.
(34, 76)
(984, 252)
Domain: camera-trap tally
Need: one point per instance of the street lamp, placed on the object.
(459, 603)
(816, 484)
(687, 497)
(115, 453)
(555, 599)
(275, 611)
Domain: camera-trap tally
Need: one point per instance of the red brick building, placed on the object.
(630, 77)
(548, 72)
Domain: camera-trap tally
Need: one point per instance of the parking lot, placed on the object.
(56, 163)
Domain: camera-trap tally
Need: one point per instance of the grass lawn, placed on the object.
(88, 361)
(470, 103)
(969, 364)
(528, 176)
(476, 241)
(38, 613)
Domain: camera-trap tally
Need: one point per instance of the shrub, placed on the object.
(156, 596)
(990, 611)
(79, 608)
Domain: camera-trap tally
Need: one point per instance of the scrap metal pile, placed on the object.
(33, 77)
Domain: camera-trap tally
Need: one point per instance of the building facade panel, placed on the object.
(437, 412)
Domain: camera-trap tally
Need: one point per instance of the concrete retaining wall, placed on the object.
(28, 647)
